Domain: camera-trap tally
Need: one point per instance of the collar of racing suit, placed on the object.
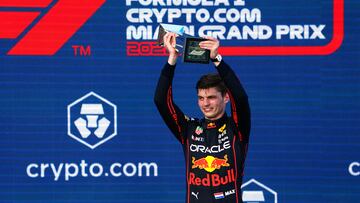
(209, 124)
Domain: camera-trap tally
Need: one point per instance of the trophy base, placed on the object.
(193, 53)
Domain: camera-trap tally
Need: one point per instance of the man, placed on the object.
(215, 147)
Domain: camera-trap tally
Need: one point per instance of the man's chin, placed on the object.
(209, 116)
(212, 116)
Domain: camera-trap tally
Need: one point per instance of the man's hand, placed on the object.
(169, 44)
(211, 44)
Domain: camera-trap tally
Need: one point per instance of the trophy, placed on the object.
(186, 45)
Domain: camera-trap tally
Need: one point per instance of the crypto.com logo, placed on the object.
(354, 168)
(92, 120)
(150, 48)
(51, 31)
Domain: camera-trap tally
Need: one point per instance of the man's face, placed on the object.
(212, 103)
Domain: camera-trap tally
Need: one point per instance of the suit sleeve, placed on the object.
(240, 110)
(170, 112)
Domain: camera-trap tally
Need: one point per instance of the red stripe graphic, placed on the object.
(25, 3)
(234, 114)
(56, 27)
(236, 170)
(332, 46)
(173, 112)
(169, 98)
(187, 171)
(12, 24)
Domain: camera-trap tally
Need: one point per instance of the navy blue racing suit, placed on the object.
(215, 151)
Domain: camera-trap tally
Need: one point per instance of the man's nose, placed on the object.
(206, 102)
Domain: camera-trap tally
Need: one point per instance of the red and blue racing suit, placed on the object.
(215, 151)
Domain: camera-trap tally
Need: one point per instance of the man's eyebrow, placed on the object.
(209, 96)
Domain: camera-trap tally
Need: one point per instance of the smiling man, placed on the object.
(215, 146)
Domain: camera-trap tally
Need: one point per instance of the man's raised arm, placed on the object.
(171, 113)
(240, 109)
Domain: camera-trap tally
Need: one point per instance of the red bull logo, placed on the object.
(212, 179)
(211, 125)
(210, 163)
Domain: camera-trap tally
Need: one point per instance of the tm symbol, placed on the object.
(81, 50)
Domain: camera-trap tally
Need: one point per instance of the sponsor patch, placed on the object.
(222, 128)
(199, 130)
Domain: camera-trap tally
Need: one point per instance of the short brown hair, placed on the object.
(211, 80)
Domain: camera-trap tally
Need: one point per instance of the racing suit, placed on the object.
(215, 151)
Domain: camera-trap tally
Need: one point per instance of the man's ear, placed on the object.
(226, 97)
